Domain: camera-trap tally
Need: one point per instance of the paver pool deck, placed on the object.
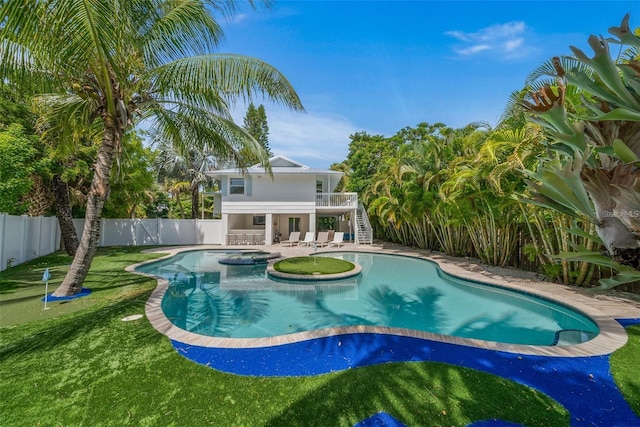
(577, 375)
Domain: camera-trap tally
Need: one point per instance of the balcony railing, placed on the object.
(337, 200)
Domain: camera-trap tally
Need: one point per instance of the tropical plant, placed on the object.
(516, 145)
(18, 160)
(552, 232)
(133, 181)
(114, 63)
(186, 170)
(405, 196)
(36, 200)
(592, 170)
(477, 191)
(366, 152)
(14, 109)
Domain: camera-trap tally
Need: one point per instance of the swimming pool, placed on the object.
(396, 292)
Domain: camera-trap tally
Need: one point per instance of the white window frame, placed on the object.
(236, 188)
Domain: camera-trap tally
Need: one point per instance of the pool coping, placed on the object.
(602, 310)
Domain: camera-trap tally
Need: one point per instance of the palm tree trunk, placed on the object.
(180, 207)
(585, 267)
(62, 205)
(194, 202)
(72, 283)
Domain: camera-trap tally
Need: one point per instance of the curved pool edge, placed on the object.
(611, 337)
(357, 269)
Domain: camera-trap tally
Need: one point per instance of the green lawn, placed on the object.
(624, 368)
(80, 364)
(308, 265)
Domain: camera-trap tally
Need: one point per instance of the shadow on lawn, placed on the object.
(23, 299)
(420, 392)
(65, 330)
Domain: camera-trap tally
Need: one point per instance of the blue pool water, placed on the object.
(241, 301)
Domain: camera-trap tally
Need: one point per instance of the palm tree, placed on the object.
(592, 170)
(118, 62)
(188, 168)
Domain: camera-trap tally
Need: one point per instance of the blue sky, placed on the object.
(379, 66)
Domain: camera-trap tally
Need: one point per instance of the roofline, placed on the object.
(280, 156)
(251, 171)
(284, 170)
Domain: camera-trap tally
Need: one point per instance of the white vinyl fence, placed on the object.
(160, 231)
(23, 238)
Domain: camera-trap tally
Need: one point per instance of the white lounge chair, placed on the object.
(294, 237)
(323, 238)
(308, 239)
(338, 239)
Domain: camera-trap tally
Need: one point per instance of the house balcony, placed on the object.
(338, 202)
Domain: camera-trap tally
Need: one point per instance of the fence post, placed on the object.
(56, 235)
(3, 255)
(23, 241)
(102, 224)
(39, 238)
(159, 231)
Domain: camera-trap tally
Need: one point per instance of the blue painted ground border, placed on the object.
(583, 385)
(83, 293)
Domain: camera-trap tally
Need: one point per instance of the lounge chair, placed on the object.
(294, 237)
(338, 239)
(323, 238)
(308, 239)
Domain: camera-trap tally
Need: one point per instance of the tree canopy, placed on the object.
(18, 161)
(98, 68)
(255, 123)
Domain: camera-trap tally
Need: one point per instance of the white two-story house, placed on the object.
(258, 207)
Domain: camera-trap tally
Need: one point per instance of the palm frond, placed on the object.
(547, 70)
(174, 30)
(225, 76)
(66, 118)
(188, 127)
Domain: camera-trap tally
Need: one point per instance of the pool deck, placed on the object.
(605, 310)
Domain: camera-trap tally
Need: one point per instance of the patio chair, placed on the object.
(338, 239)
(294, 237)
(308, 239)
(323, 238)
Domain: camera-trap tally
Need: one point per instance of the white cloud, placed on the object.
(511, 45)
(237, 18)
(459, 35)
(500, 39)
(316, 139)
(501, 31)
(473, 49)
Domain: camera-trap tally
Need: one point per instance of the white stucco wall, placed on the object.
(281, 188)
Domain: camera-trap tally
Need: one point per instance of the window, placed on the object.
(258, 220)
(319, 186)
(294, 224)
(236, 186)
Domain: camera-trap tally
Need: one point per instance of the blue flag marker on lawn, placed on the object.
(45, 278)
